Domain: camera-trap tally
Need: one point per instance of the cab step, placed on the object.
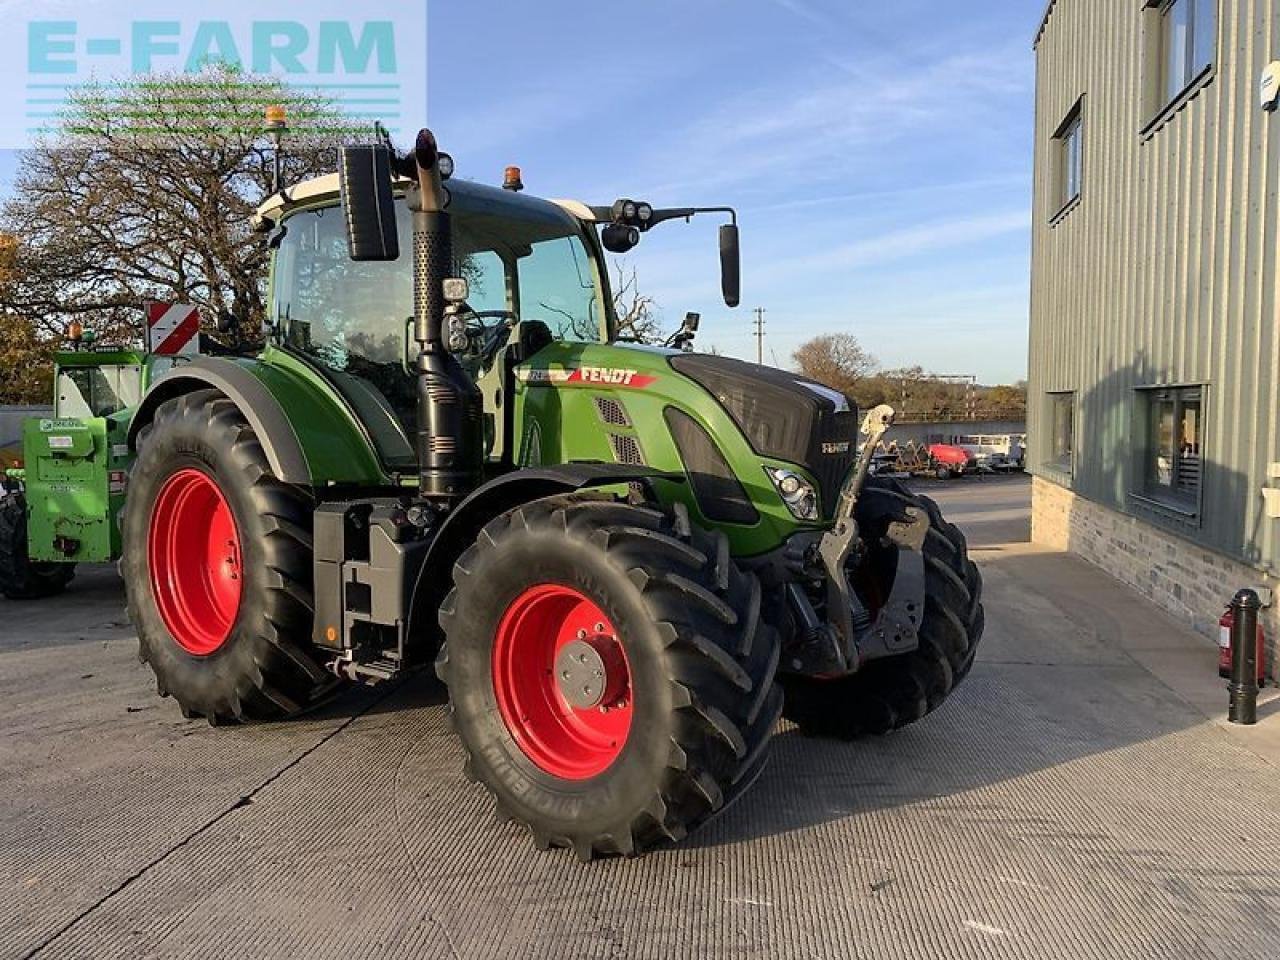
(386, 665)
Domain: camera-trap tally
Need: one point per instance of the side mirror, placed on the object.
(683, 338)
(368, 203)
(730, 265)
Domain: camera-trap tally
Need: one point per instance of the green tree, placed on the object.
(26, 357)
(1005, 401)
(145, 191)
(26, 363)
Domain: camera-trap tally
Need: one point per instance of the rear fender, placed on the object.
(308, 435)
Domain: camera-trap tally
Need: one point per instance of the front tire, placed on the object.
(22, 578)
(889, 694)
(217, 567)
(671, 644)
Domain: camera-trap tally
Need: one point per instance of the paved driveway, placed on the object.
(1072, 800)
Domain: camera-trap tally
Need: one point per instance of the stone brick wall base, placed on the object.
(1191, 583)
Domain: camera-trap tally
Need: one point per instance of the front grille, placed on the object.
(833, 430)
(783, 417)
(626, 450)
(612, 412)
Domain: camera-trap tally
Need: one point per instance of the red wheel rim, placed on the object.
(193, 552)
(562, 682)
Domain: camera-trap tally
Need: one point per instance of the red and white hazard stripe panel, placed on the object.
(173, 329)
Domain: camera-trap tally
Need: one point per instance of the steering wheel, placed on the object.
(487, 338)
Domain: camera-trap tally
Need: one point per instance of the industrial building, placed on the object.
(1154, 359)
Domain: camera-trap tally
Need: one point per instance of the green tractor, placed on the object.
(625, 562)
(75, 468)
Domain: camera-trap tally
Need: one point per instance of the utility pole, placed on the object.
(760, 312)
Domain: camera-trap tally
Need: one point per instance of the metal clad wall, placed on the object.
(1164, 274)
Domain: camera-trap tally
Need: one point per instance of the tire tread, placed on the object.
(889, 694)
(22, 578)
(277, 677)
(720, 657)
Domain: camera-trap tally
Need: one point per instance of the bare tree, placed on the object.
(146, 190)
(637, 312)
(837, 360)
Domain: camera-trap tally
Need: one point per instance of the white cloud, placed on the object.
(820, 123)
(906, 243)
(804, 11)
(953, 188)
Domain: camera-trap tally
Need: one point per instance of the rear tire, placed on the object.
(697, 669)
(22, 578)
(217, 567)
(889, 694)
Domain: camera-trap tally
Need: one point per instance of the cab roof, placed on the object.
(326, 188)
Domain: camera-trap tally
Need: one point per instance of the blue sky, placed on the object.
(879, 154)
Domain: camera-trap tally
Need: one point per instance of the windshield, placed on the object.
(348, 315)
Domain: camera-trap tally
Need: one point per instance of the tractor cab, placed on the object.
(90, 385)
(534, 275)
(529, 275)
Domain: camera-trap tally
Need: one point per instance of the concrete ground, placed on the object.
(1080, 796)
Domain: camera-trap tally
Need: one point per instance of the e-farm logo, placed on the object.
(372, 66)
(283, 48)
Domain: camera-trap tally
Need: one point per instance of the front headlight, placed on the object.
(796, 492)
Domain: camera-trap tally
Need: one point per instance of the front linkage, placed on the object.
(852, 633)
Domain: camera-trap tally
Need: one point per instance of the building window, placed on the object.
(1183, 43)
(1062, 430)
(1068, 143)
(1172, 464)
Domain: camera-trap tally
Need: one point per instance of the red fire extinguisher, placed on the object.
(1224, 648)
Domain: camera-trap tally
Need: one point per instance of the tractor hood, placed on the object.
(782, 415)
(723, 424)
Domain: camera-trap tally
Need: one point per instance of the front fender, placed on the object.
(495, 498)
(307, 434)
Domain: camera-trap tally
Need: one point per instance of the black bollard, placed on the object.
(1244, 658)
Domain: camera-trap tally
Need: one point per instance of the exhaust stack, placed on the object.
(450, 428)
(450, 440)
